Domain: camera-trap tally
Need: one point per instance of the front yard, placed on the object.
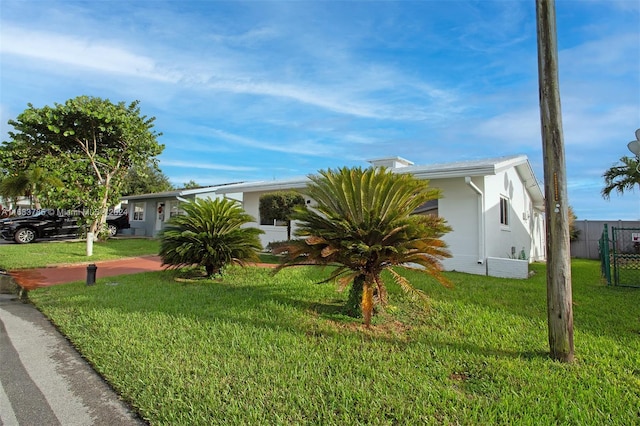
(261, 349)
(41, 254)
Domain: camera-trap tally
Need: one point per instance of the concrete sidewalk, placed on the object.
(43, 379)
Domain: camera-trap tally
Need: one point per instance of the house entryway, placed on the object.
(160, 213)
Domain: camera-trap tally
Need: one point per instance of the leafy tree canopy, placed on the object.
(191, 185)
(279, 205)
(89, 144)
(145, 179)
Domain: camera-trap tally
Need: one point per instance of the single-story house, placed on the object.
(148, 213)
(494, 206)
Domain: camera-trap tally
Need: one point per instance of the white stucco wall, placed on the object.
(251, 204)
(507, 268)
(459, 206)
(508, 241)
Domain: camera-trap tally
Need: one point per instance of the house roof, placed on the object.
(484, 167)
(178, 192)
(268, 185)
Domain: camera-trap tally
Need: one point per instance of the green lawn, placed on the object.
(261, 349)
(40, 254)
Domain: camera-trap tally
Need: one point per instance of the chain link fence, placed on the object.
(620, 256)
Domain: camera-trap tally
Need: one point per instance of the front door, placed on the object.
(159, 215)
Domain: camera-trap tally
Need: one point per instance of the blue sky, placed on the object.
(266, 90)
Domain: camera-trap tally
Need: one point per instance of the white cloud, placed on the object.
(244, 71)
(516, 128)
(301, 147)
(600, 128)
(611, 54)
(208, 166)
(79, 52)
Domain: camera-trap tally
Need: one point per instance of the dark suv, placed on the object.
(51, 224)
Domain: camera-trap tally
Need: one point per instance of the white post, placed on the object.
(89, 243)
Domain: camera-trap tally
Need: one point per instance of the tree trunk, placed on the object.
(354, 301)
(559, 298)
(210, 270)
(102, 218)
(367, 302)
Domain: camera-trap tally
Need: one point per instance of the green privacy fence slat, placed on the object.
(605, 264)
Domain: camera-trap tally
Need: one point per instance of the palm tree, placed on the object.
(30, 183)
(362, 223)
(211, 234)
(621, 177)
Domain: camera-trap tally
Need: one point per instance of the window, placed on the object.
(138, 211)
(504, 211)
(174, 209)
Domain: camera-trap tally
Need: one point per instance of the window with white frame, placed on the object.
(174, 208)
(138, 211)
(504, 211)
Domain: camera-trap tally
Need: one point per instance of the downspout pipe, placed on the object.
(481, 220)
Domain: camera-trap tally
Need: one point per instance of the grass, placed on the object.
(270, 258)
(259, 349)
(41, 254)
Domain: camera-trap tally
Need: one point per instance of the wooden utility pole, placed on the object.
(559, 298)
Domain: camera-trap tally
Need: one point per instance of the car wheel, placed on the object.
(113, 230)
(24, 235)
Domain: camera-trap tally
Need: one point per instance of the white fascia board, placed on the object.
(531, 183)
(444, 174)
(276, 185)
(197, 191)
(164, 195)
(508, 163)
(485, 167)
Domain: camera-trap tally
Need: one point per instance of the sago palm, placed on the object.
(621, 177)
(211, 234)
(363, 224)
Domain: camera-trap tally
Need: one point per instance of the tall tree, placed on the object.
(145, 179)
(363, 223)
(90, 144)
(621, 177)
(279, 205)
(559, 296)
(192, 184)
